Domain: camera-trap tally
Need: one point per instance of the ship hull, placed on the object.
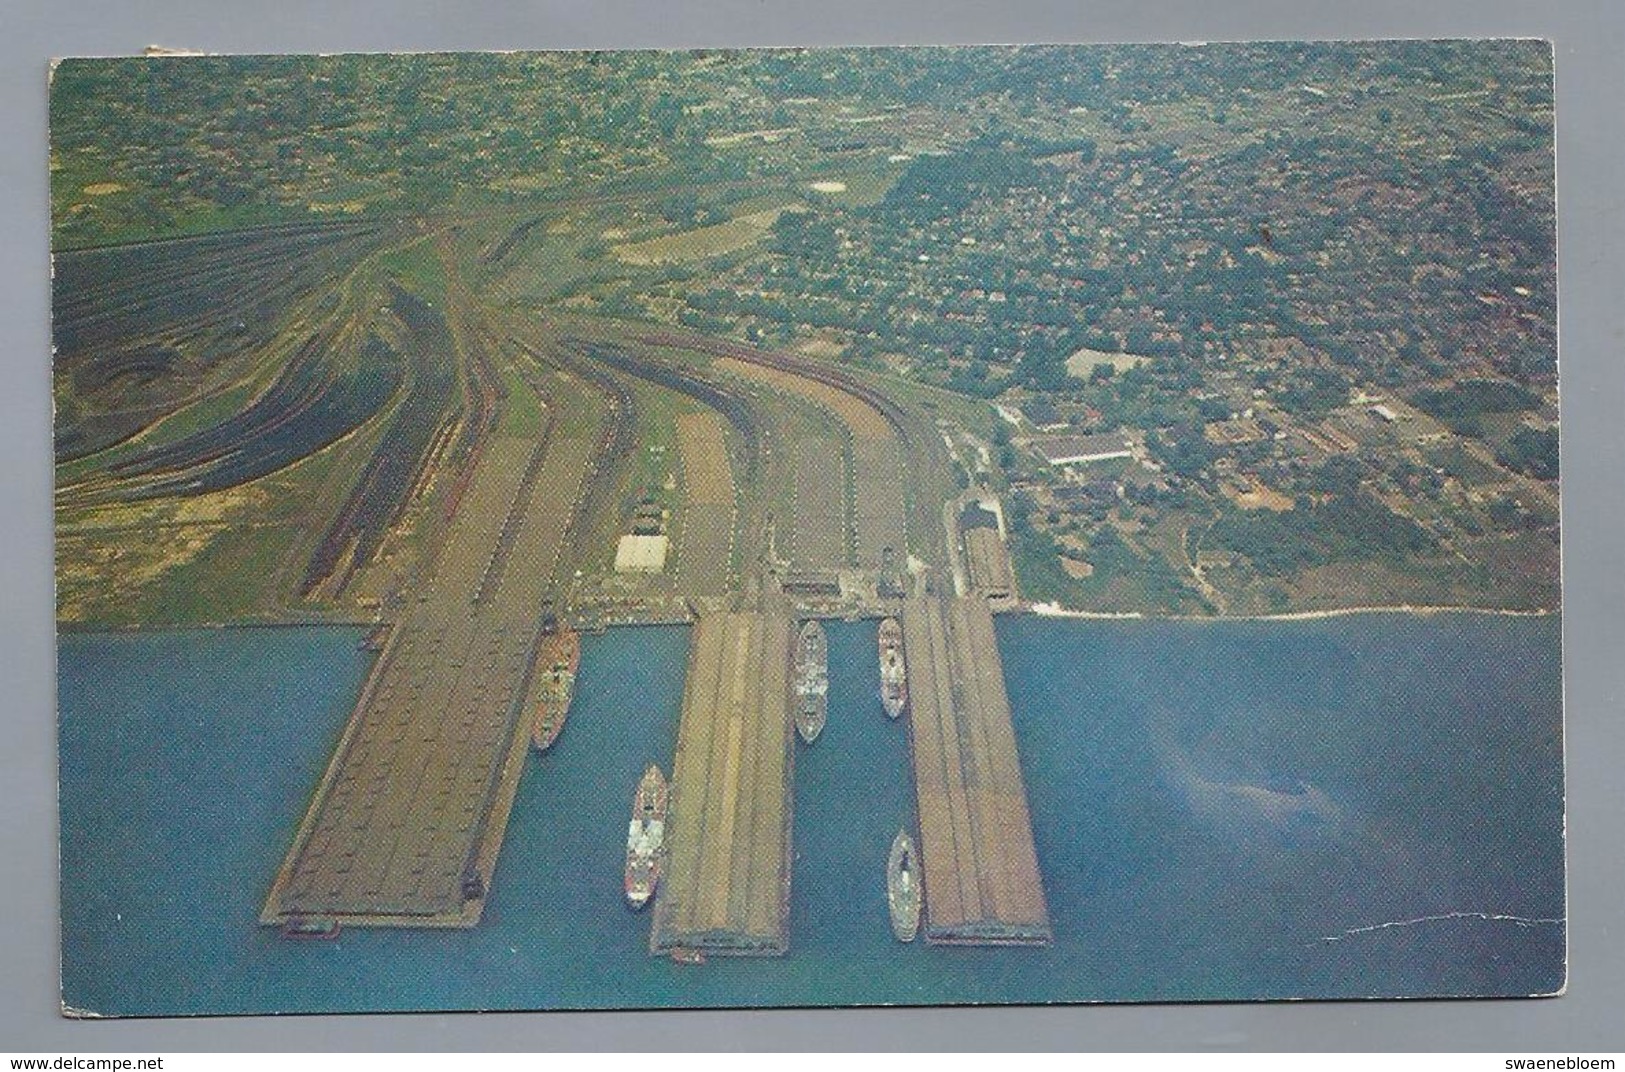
(903, 892)
(558, 661)
(810, 720)
(645, 838)
(811, 681)
(893, 669)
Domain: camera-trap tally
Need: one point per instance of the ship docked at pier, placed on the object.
(893, 670)
(646, 838)
(903, 887)
(811, 680)
(559, 659)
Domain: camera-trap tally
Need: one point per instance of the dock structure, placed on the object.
(405, 826)
(990, 573)
(726, 885)
(982, 884)
(705, 548)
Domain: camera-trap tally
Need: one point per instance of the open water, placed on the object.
(1361, 806)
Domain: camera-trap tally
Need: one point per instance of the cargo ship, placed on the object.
(903, 888)
(811, 680)
(645, 838)
(893, 671)
(560, 657)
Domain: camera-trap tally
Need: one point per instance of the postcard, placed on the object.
(801, 527)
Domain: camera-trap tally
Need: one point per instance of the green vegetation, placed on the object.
(1313, 392)
(417, 268)
(1463, 405)
(1257, 259)
(1348, 527)
(523, 414)
(1531, 451)
(1123, 579)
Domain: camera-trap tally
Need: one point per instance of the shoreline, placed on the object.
(1038, 610)
(72, 628)
(1052, 610)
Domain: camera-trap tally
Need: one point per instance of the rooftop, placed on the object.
(641, 554)
(1062, 450)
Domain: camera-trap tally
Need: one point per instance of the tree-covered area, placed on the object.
(1462, 405)
(1121, 576)
(937, 188)
(1532, 451)
(1347, 527)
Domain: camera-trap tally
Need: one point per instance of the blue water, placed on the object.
(1216, 808)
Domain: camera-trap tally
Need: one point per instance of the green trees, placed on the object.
(1533, 452)
(1462, 405)
(804, 237)
(935, 187)
(1313, 392)
(1182, 449)
(1348, 526)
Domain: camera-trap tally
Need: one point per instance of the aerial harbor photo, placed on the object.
(786, 527)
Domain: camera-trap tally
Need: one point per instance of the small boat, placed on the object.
(310, 928)
(893, 670)
(903, 892)
(683, 955)
(811, 680)
(645, 838)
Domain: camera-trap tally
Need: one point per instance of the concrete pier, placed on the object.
(726, 884)
(982, 884)
(405, 826)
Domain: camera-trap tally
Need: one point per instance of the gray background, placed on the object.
(1589, 36)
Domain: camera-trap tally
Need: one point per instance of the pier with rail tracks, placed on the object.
(726, 885)
(982, 884)
(406, 823)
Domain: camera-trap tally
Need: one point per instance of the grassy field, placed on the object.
(701, 243)
(1085, 361)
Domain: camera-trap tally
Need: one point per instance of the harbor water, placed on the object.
(1359, 806)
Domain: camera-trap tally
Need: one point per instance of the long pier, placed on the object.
(727, 878)
(982, 884)
(405, 826)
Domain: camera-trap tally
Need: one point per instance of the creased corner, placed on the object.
(74, 1012)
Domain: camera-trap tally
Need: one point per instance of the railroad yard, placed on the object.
(513, 472)
(727, 396)
(486, 357)
(981, 870)
(407, 822)
(509, 456)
